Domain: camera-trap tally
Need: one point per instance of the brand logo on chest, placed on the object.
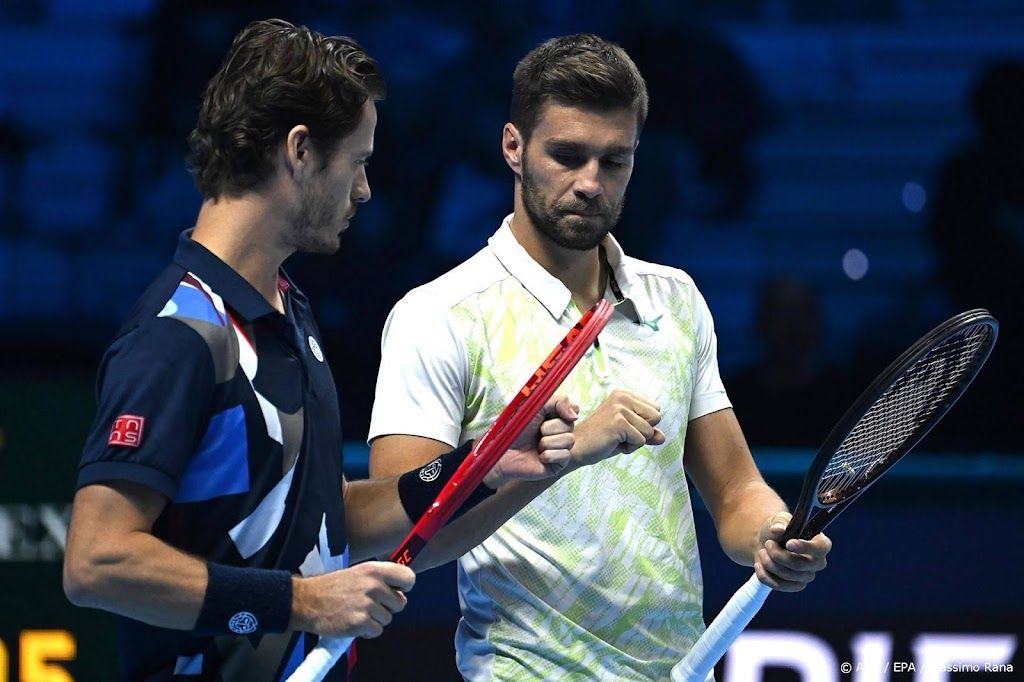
(315, 347)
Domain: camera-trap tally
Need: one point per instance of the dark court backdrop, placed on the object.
(838, 177)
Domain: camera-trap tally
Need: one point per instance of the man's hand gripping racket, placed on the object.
(485, 454)
(895, 412)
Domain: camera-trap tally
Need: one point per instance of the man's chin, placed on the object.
(332, 247)
(582, 232)
(324, 247)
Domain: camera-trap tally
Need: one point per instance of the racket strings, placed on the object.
(901, 411)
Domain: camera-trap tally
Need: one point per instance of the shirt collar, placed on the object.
(633, 303)
(541, 284)
(544, 286)
(225, 281)
(617, 261)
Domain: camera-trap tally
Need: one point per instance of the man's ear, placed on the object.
(298, 152)
(512, 147)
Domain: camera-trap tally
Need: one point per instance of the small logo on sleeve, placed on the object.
(431, 471)
(127, 431)
(315, 347)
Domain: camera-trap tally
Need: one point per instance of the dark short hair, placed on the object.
(276, 76)
(581, 70)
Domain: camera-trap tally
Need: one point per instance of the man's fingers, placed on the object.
(789, 560)
(819, 545)
(778, 523)
(815, 548)
(560, 441)
(371, 629)
(649, 412)
(636, 431)
(379, 614)
(559, 458)
(780, 577)
(639, 405)
(631, 439)
(789, 568)
(561, 406)
(555, 426)
(765, 577)
(393, 600)
(396, 575)
(640, 424)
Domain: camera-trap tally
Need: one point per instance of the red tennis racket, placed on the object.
(485, 454)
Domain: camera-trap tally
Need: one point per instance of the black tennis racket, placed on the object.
(885, 423)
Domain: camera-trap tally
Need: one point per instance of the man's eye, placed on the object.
(567, 159)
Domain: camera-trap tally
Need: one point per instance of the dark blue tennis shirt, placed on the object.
(211, 397)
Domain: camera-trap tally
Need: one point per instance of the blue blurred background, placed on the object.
(838, 177)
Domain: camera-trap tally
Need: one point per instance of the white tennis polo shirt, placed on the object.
(599, 577)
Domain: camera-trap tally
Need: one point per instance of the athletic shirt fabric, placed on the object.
(599, 577)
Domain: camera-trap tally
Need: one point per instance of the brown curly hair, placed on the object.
(581, 70)
(276, 76)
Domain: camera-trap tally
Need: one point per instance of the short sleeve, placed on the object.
(421, 384)
(708, 391)
(154, 392)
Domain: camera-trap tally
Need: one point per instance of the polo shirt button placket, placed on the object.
(598, 355)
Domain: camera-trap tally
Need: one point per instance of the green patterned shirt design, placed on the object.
(599, 577)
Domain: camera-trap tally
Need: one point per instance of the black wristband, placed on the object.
(479, 494)
(418, 488)
(245, 601)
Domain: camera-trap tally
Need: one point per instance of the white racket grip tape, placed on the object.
(321, 659)
(699, 663)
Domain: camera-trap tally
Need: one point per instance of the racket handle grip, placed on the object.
(699, 663)
(321, 659)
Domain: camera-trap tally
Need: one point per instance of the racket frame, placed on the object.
(811, 516)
